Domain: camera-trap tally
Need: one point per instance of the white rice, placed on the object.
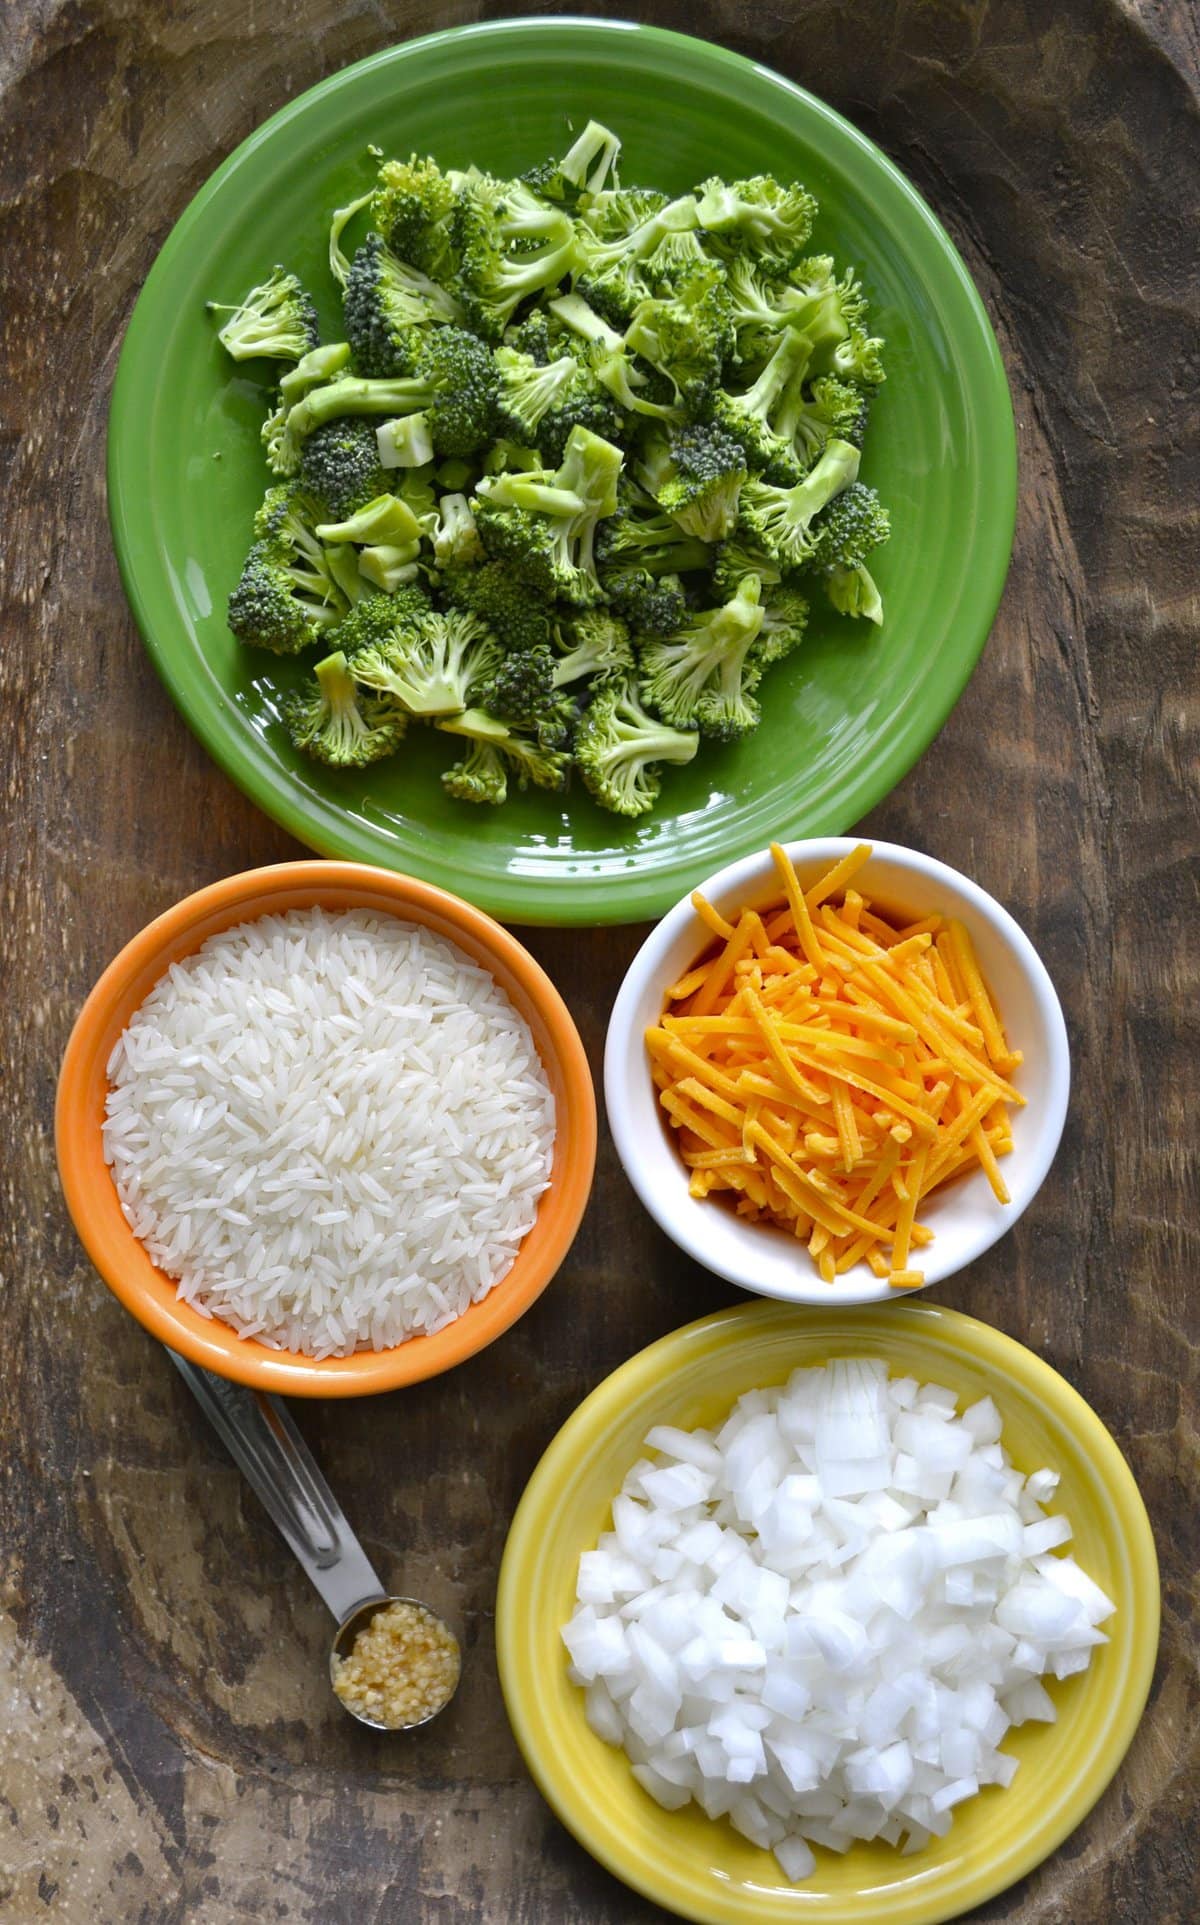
(332, 1130)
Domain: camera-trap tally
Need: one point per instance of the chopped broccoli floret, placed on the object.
(544, 524)
(852, 591)
(643, 536)
(387, 304)
(583, 169)
(312, 370)
(542, 401)
(523, 691)
(736, 558)
(592, 642)
(495, 748)
(614, 365)
(515, 613)
(696, 476)
(648, 604)
(276, 320)
(785, 618)
(374, 619)
(511, 244)
(686, 337)
(612, 242)
(855, 523)
(781, 519)
(757, 217)
(833, 410)
(431, 663)
(337, 724)
(454, 385)
(761, 417)
(618, 748)
(281, 606)
(703, 676)
(340, 463)
(411, 207)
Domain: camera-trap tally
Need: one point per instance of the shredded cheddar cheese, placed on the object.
(828, 1069)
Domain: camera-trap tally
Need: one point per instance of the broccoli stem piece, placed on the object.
(386, 520)
(387, 568)
(852, 591)
(589, 160)
(339, 266)
(405, 442)
(317, 366)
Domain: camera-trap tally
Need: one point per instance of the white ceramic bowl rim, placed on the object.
(736, 1249)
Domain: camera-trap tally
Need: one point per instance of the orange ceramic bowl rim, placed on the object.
(91, 1195)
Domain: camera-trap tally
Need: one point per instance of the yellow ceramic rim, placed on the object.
(702, 1870)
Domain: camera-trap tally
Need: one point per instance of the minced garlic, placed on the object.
(402, 1667)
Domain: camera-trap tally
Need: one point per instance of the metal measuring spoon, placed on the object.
(261, 1437)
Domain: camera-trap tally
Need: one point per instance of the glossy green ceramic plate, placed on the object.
(844, 720)
(704, 1870)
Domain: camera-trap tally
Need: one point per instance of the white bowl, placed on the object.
(965, 1217)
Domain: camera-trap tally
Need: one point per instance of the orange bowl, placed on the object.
(92, 1197)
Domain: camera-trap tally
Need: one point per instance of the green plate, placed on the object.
(843, 720)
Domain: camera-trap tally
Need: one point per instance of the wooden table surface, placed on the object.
(168, 1750)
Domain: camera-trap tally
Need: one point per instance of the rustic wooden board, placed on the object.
(167, 1748)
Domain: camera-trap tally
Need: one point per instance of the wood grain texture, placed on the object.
(167, 1749)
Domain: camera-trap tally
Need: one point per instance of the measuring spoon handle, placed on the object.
(261, 1437)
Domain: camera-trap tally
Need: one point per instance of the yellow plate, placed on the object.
(704, 1870)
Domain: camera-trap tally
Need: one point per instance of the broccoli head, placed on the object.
(515, 613)
(335, 723)
(781, 519)
(544, 524)
(523, 690)
(276, 320)
(374, 619)
(704, 676)
(431, 663)
(494, 749)
(619, 747)
(696, 476)
(340, 463)
(758, 217)
(387, 304)
(852, 591)
(278, 606)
